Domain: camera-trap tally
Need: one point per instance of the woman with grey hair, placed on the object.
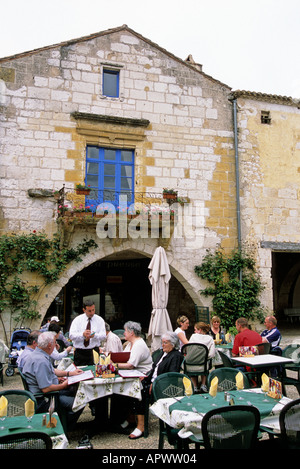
(140, 359)
(168, 359)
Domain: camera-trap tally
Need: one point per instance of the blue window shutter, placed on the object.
(109, 173)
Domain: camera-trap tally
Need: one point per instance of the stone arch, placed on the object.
(190, 282)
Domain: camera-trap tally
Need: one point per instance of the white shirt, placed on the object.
(112, 343)
(204, 339)
(78, 326)
(140, 356)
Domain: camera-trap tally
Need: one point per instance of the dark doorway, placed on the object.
(286, 285)
(121, 291)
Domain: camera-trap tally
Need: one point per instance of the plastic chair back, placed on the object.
(226, 377)
(16, 401)
(289, 420)
(169, 385)
(263, 348)
(231, 427)
(26, 440)
(196, 360)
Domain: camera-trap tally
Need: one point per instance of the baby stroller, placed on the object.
(18, 342)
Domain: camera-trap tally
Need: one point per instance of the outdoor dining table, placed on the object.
(19, 424)
(265, 361)
(186, 413)
(96, 388)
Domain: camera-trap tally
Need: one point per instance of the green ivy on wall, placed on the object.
(236, 285)
(36, 253)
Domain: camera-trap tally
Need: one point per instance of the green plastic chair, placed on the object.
(291, 351)
(164, 386)
(26, 440)
(226, 377)
(231, 427)
(16, 401)
(289, 436)
(196, 361)
(61, 412)
(119, 333)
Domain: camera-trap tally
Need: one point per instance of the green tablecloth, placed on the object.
(18, 424)
(186, 413)
(203, 403)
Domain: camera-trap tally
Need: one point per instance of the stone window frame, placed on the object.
(116, 68)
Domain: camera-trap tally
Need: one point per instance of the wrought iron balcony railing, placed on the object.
(107, 201)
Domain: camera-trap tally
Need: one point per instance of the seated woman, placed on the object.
(201, 336)
(183, 324)
(215, 327)
(169, 359)
(140, 359)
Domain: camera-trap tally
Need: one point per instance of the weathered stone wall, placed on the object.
(188, 145)
(269, 156)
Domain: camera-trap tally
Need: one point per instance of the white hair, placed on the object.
(46, 338)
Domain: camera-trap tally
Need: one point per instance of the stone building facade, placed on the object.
(269, 155)
(178, 123)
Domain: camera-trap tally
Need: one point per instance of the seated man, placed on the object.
(56, 355)
(244, 337)
(272, 335)
(112, 343)
(30, 347)
(41, 377)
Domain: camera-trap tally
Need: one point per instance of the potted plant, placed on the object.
(169, 194)
(82, 211)
(82, 189)
(64, 211)
(57, 195)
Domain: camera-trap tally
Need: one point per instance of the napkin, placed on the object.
(29, 408)
(187, 386)
(95, 357)
(3, 406)
(214, 386)
(105, 361)
(264, 382)
(239, 380)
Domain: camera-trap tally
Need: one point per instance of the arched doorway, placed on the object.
(120, 287)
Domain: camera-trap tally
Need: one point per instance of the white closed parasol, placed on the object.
(159, 277)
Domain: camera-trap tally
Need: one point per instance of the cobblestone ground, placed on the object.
(109, 441)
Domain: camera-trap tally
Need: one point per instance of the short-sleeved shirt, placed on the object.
(244, 338)
(78, 326)
(23, 356)
(38, 371)
(273, 336)
(140, 356)
(112, 343)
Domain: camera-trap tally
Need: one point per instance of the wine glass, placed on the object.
(29, 414)
(3, 414)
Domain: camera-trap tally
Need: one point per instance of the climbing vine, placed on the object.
(35, 253)
(235, 285)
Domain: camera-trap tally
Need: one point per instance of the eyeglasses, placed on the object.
(165, 342)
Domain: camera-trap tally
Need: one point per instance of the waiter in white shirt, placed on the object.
(86, 332)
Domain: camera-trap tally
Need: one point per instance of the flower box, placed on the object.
(83, 191)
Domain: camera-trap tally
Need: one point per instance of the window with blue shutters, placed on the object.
(109, 173)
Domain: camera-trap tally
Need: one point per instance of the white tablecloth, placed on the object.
(100, 387)
(189, 422)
